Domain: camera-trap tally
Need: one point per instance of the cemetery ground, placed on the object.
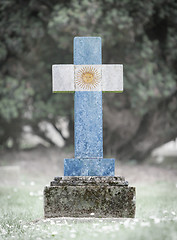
(24, 174)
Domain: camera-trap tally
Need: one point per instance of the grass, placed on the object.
(21, 216)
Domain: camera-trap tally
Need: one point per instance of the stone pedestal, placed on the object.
(89, 197)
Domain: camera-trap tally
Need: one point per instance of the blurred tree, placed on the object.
(141, 35)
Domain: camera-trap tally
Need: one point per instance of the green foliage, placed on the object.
(35, 34)
(15, 95)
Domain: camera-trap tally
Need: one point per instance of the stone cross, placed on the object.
(88, 78)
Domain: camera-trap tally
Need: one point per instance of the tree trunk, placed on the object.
(156, 127)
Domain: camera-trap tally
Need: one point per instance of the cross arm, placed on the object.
(63, 78)
(71, 78)
(112, 78)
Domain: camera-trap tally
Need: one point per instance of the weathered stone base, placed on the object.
(89, 197)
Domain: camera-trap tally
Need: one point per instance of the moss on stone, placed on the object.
(102, 199)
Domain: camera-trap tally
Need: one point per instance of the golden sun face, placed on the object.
(88, 78)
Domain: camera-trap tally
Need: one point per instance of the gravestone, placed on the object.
(89, 187)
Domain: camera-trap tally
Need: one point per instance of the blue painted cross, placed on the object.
(88, 77)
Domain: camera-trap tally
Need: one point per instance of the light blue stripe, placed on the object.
(88, 105)
(87, 50)
(89, 167)
(88, 124)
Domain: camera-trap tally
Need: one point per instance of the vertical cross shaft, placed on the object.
(88, 104)
(88, 125)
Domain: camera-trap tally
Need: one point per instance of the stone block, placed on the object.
(112, 78)
(63, 78)
(88, 124)
(87, 50)
(89, 197)
(71, 78)
(87, 77)
(89, 167)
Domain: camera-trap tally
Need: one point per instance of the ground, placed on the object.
(24, 174)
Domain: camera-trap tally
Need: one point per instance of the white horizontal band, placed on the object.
(70, 78)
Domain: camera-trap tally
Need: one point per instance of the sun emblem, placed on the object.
(88, 78)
